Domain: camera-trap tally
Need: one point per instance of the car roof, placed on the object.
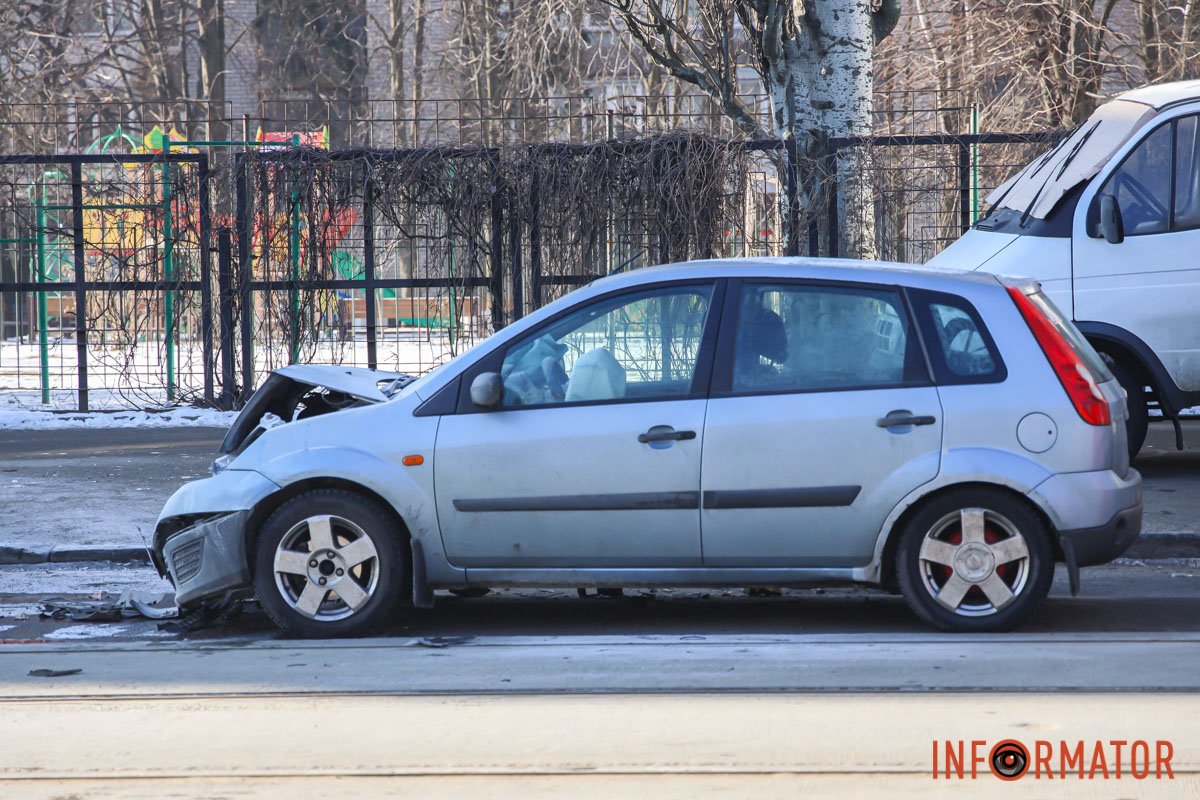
(918, 276)
(1163, 94)
(831, 269)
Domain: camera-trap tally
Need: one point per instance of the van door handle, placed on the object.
(896, 419)
(664, 433)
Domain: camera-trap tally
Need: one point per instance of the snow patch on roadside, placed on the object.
(78, 579)
(87, 630)
(15, 416)
(19, 611)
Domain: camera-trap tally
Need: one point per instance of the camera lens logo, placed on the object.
(1009, 760)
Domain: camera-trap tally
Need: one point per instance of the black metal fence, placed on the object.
(401, 258)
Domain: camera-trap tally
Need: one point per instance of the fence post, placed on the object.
(80, 290)
(535, 234)
(245, 271)
(792, 222)
(294, 263)
(168, 233)
(514, 249)
(42, 316)
(831, 195)
(369, 263)
(964, 185)
(225, 315)
(497, 254)
(206, 321)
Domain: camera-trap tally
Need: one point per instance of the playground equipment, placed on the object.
(116, 227)
(141, 228)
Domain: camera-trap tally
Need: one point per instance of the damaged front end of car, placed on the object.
(304, 391)
(200, 540)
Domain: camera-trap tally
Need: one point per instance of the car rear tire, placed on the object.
(975, 560)
(1135, 391)
(328, 563)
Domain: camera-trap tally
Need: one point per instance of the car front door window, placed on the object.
(636, 346)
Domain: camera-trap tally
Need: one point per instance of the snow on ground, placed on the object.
(19, 611)
(14, 415)
(79, 579)
(132, 379)
(87, 630)
(134, 376)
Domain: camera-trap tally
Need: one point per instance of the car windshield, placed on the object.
(1035, 190)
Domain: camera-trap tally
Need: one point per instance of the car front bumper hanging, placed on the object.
(208, 558)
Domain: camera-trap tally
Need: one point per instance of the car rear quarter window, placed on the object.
(961, 350)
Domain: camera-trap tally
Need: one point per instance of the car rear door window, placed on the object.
(799, 337)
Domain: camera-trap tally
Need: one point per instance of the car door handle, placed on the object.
(896, 419)
(657, 434)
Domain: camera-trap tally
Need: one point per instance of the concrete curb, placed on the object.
(10, 556)
(1148, 547)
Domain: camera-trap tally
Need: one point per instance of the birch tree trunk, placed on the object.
(815, 59)
(820, 82)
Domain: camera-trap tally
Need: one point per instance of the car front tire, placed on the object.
(328, 563)
(975, 560)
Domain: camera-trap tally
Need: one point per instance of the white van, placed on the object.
(1109, 222)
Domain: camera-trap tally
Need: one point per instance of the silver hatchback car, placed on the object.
(750, 422)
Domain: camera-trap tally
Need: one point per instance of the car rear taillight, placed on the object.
(1073, 373)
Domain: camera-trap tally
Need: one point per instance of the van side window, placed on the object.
(1187, 173)
(960, 347)
(1142, 185)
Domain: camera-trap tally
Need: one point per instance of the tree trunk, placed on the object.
(210, 36)
(418, 67)
(821, 88)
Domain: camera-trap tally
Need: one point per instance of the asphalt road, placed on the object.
(105, 487)
(94, 486)
(835, 692)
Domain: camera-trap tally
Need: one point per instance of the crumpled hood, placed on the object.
(359, 382)
(302, 391)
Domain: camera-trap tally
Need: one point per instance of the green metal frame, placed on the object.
(42, 205)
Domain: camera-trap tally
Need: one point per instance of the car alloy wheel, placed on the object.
(975, 559)
(974, 562)
(326, 567)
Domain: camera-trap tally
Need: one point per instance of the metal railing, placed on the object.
(400, 258)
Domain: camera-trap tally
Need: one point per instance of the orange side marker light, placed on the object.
(413, 461)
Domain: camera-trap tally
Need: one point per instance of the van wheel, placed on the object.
(1135, 391)
(328, 564)
(975, 560)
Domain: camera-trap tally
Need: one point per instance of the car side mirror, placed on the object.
(487, 390)
(1111, 224)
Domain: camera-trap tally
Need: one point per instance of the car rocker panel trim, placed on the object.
(807, 497)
